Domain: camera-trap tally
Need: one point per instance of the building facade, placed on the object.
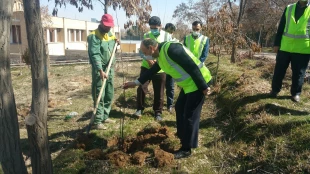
(63, 36)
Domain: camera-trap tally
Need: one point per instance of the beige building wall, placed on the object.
(129, 48)
(63, 34)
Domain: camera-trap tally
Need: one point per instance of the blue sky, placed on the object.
(162, 8)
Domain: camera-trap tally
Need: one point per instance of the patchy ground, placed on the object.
(242, 130)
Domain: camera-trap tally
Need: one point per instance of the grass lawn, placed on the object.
(241, 129)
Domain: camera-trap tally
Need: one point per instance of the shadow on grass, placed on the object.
(232, 120)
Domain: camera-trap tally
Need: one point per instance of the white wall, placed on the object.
(56, 49)
(76, 46)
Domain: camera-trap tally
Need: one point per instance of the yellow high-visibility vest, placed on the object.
(296, 36)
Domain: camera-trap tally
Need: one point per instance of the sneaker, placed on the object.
(170, 109)
(158, 117)
(273, 94)
(109, 121)
(182, 154)
(138, 113)
(100, 126)
(295, 98)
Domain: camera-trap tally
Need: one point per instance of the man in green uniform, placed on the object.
(100, 46)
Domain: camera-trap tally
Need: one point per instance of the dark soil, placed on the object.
(139, 157)
(163, 158)
(140, 146)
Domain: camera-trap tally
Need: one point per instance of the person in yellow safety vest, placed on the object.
(170, 28)
(292, 45)
(191, 75)
(159, 79)
(196, 42)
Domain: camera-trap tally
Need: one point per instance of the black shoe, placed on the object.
(273, 94)
(158, 117)
(296, 98)
(182, 154)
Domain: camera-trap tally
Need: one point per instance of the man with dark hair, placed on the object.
(292, 45)
(170, 28)
(191, 75)
(159, 79)
(197, 43)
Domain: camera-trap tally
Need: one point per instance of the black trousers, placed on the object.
(158, 82)
(299, 64)
(188, 109)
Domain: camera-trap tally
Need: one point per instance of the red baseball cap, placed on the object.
(107, 20)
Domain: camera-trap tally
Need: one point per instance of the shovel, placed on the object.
(101, 90)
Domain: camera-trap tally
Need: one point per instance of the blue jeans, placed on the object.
(169, 90)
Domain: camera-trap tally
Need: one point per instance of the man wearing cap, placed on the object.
(100, 46)
(292, 45)
(196, 42)
(159, 79)
(191, 75)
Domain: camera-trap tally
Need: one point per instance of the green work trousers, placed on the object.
(105, 103)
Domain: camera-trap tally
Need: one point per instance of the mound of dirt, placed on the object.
(146, 137)
(94, 154)
(118, 158)
(162, 158)
(83, 140)
(138, 158)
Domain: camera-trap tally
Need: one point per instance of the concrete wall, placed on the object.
(129, 48)
(56, 49)
(62, 36)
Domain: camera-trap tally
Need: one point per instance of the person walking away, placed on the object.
(191, 75)
(100, 46)
(292, 45)
(159, 79)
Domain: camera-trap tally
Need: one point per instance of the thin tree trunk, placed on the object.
(106, 6)
(10, 152)
(233, 51)
(37, 133)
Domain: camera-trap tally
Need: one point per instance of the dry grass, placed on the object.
(242, 130)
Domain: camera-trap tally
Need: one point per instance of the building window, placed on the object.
(76, 35)
(15, 35)
(83, 35)
(52, 35)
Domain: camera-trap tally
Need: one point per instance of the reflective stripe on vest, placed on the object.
(202, 41)
(288, 20)
(184, 74)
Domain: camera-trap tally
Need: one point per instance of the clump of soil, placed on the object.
(146, 137)
(94, 154)
(83, 141)
(138, 158)
(118, 158)
(112, 142)
(162, 158)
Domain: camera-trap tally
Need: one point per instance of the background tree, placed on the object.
(37, 131)
(181, 30)
(139, 8)
(10, 152)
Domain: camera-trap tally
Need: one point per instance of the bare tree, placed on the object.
(37, 131)
(10, 152)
